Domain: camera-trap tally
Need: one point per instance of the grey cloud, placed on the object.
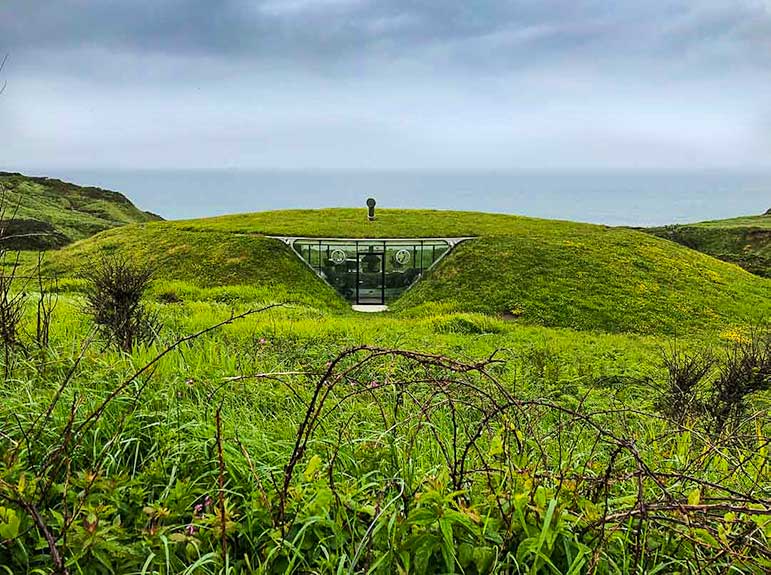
(315, 30)
(374, 83)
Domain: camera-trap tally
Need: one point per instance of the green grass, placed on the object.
(539, 272)
(762, 222)
(372, 478)
(136, 483)
(389, 223)
(61, 212)
(224, 266)
(744, 241)
(593, 278)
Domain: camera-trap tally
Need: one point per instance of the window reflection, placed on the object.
(370, 271)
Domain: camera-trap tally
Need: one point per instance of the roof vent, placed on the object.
(371, 205)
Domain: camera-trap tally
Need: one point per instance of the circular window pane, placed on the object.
(402, 257)
(337, 256)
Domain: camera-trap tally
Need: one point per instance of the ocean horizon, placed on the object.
(619, 197)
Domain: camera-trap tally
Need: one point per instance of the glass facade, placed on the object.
(370, 271)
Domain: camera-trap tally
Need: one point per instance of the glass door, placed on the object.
(370, 285)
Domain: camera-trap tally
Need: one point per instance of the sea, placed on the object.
(621, 198)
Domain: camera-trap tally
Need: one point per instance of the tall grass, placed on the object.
(223, 458)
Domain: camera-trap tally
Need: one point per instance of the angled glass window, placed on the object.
(370, 271)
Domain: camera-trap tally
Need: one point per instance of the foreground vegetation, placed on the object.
(298, 439)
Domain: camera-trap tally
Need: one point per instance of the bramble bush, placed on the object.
(249, 448)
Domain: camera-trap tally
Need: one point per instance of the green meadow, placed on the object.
(535, 404)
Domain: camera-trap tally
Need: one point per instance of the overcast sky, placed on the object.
(375, 84)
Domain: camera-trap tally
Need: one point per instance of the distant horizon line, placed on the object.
(39, 172)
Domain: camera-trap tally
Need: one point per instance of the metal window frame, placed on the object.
(450, 242)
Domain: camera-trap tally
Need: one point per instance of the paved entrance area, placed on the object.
(369, 308)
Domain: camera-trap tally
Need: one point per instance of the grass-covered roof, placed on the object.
(535, 271)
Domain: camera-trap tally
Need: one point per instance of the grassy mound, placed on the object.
(541, 272)
(261, 268)
(353, 223)
(50, 213)
(592, 278)
(744, 241)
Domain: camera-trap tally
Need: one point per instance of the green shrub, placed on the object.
(115, 289)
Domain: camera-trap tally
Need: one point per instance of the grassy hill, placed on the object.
(234, 266)
(539, 272)
(606, 279)
(310, 439)
(49, 213)
(745, 241)
(389, 223)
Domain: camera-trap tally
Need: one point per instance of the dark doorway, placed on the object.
(370, 277)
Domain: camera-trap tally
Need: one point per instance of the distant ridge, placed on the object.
(744, 241)
(46, 213)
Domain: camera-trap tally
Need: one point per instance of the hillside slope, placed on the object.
(206, 260)
(43, 213)
(744, 241)
(543, 272)
(611, 280)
